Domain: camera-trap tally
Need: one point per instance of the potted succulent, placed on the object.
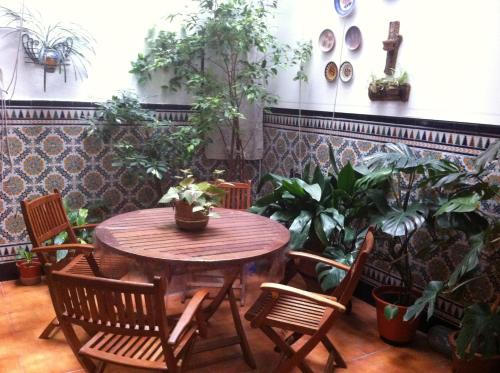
(476, 347)
(193, 202)
(30, 269)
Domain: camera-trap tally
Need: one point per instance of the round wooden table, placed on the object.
(237, 237)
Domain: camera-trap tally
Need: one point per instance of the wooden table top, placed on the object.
(236, 237)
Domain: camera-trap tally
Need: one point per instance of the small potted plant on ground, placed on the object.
(193, 202)
(30, 269)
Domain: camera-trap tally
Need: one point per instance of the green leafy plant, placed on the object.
(388, 81)
(403, 209)
(324, 213)
(480, 332)
(25, 255)
(67, 40)
(463, 210)
(160, 148)
(225, 56)
(201, 196)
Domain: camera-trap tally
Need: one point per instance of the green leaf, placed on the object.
(61, 238)
(299, 229)
(461, 204)
(398, 222)
(171, 195)
(346, 178)
(428, 298)
(470, 260)
(283, 216)
(61, 254)
(374, 179)
(391, 311)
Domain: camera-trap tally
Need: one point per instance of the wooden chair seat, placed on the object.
(143, 352)
(79, 265)
(294, 313)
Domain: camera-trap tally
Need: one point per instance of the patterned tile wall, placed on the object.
(48, 148)
(290, 142)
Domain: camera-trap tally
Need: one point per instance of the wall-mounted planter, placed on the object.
(390, 93)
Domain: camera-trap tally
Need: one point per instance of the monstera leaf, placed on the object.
(428, 298)
(461, 204)
(398, 222)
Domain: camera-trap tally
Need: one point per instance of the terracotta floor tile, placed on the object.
(26, 310)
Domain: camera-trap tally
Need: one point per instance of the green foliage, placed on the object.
(380, 84)
(391, 311)
(225, 56)
(24, 254)
(161, 147)
(480, 331)
(201, 196)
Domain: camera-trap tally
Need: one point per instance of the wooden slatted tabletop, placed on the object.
(236, 237)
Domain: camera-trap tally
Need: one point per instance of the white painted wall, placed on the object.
(119, 28)
(450, 49)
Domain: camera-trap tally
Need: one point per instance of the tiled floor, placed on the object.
(24, 312)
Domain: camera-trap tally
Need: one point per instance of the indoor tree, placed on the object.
(224, 56)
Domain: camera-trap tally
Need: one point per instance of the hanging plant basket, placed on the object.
(389, 93)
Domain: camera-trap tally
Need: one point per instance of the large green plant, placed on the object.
(225, 56)
(160, 149)
(324, 213)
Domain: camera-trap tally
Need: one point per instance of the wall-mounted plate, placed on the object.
(346, 71)
(326, 40)
(344, 7)
(353, 38)
(331, 71)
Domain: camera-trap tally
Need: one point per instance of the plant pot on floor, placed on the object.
(188, 220)
(397, 330)
(30, 273)
(477, 364)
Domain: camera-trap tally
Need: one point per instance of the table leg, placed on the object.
(240, 338)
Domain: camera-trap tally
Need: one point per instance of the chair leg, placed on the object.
(47, 332)
(75, 345)
(245, 347)
(335, 358)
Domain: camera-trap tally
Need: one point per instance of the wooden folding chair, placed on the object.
(306, 314)
(237, 196)
(45, 218)
(127, 322)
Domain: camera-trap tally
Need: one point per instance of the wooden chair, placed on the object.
(237, 196)
(306, 314)
(127, 322)
(45, 218)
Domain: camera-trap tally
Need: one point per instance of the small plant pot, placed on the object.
(396, 331)
(29, 273)
(477, 364)
(188, 220)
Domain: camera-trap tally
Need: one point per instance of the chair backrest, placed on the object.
(346, 288)
(114, 306)
(238, 196)
(45, 218)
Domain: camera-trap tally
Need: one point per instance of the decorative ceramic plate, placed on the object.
(326, 40)
(346, 71)
(353, 38)
(331, 71)
(344, 7)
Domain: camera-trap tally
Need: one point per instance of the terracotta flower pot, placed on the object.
(188, 220)
(29, 273)
(477, 364)
(396, 330)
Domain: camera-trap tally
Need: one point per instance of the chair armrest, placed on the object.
(192, 309)
(317, 258)
(84, 226)
(84, 248)
(317, 298)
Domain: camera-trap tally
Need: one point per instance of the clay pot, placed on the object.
(477, 364)
(188, 220)
(29, 273)
(396, 330)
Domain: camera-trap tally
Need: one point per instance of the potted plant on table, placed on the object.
(193, 202)
(30, 269)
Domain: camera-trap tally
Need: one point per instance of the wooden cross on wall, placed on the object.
(391, 45)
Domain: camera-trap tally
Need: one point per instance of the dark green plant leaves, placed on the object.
(480, 332)
(460, 204)
(300, 229)
(391, 311)
(470, 260)
(428, 298)
(346, 179)
(398, 222)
